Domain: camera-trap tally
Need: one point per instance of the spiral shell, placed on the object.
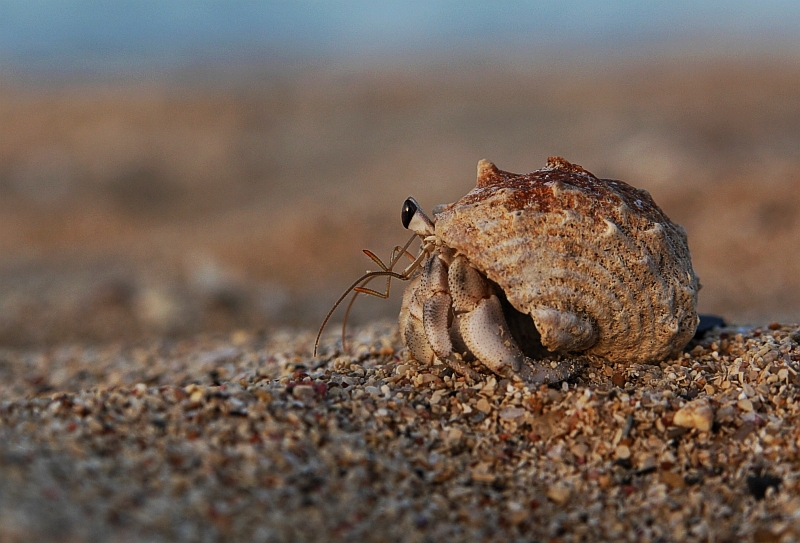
(561, 239)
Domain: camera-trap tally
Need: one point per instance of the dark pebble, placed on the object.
(693, 478)
(676, 432)
(758, 485)
(624, 463)
(691, 394)
(645, 471)
(477, 417)
(708, 322)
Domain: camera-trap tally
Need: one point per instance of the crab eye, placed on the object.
(409, 208)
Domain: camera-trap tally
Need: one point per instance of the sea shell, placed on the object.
(561, 239)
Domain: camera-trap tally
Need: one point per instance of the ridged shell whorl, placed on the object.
(560, 238)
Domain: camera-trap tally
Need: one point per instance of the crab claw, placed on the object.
(487, 336)
(481, 326)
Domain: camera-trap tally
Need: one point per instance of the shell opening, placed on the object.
(522, 329)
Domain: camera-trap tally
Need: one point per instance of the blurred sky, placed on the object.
(96, 36)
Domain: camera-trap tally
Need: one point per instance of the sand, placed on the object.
(247, 437)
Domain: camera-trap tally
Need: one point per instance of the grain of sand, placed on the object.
(247, 437)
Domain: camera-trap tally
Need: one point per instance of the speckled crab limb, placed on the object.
(487, 335)
(433, 289)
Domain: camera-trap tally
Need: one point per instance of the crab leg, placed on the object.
(423, 324)
(487, 336)
(436, 307)
(482, 326)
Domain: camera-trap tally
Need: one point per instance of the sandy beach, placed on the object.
(248, 438)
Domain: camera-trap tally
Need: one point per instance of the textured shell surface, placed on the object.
(561, 239)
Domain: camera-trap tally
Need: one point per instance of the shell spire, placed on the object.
(488, 174)
(562, 165)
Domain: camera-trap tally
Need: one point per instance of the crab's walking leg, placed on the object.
(484, 330)
(423, 324)
(436, 307)
(486, 333)
(410, 324)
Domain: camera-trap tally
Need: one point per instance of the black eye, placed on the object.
(409, 208)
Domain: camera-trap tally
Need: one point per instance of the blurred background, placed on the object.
(184, 166)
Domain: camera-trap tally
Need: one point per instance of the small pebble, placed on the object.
(622, 452)
(511, 412)
(517, 513)
(559, 493)
(745, 405)
(482, 473)
(672, 479)
(696, 414)
(304, 393)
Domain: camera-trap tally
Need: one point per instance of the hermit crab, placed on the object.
(527, 274)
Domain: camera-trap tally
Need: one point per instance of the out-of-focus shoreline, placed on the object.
(197, 203)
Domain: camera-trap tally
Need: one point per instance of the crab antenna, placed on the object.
(363, 280)
(397, 253)
(350, 306)
(346, 316)
(366, 276)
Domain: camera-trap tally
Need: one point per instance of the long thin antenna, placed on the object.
(359, 285)
(397, 253)
(366, 277)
